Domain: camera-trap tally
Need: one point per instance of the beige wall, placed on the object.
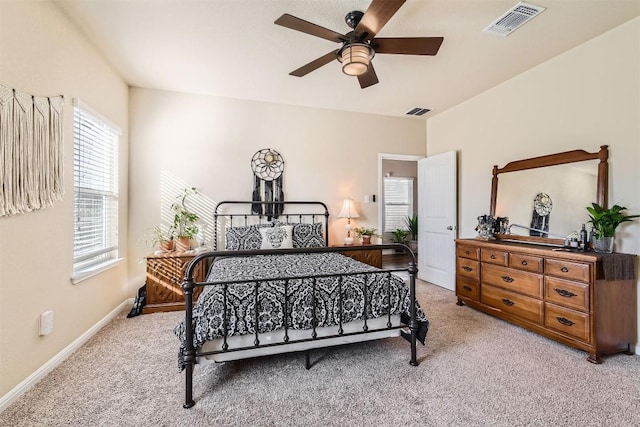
(208, 142)
(42, 54)
(587, 97)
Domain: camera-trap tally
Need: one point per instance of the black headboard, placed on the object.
(238, 213)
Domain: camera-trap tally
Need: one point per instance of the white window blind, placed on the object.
(398, 202)
(95, 195)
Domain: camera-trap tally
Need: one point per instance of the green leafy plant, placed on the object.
(158, 234)
(363, 231)
(605, 221)
(412, 226)
(400, 235)
(184, 220)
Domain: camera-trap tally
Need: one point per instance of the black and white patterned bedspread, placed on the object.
(208, 313)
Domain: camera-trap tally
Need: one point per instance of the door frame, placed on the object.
(390, 156)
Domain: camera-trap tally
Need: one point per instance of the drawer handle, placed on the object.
(465, 268)
(524, 262)
(492, 257)
(507, 279)
(467, 288)
(565, 321)
(467, 252)
(508, 302)
(564, 293)
(564, 269)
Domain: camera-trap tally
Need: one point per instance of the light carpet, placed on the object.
(474, 371)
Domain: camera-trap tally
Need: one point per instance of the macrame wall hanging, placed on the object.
(267, 166)
(30, 151)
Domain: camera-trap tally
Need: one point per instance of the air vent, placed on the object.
(514, 18)
(417, 111)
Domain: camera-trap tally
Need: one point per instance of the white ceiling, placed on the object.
(232, 48)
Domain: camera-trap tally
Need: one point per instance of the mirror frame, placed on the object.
(602, 184)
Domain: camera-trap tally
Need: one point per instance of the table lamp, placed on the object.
(348, 211)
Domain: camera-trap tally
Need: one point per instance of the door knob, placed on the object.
(450, 227)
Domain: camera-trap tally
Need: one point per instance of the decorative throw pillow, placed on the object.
(308, 235)
(279, 237)
(246, 237)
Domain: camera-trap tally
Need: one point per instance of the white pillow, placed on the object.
(277, 237)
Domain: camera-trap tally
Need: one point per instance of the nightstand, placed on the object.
(165, 273)
(369, 254)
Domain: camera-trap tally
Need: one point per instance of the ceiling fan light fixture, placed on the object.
(355, 58)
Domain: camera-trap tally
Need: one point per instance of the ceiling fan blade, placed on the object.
(298, 24)
(376, 16)
(315, 64)
(407, 45)
(369, 78)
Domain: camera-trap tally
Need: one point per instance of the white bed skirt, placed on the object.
(296, 334)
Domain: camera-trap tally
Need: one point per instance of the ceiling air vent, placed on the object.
(514, 18)
(417, 111)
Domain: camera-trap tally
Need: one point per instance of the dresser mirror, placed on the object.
(550, 193)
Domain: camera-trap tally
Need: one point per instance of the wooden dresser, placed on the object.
(584, 300)
(165, 273)
(369, 254)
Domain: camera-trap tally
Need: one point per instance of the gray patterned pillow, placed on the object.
(307, 235)
(246, 237)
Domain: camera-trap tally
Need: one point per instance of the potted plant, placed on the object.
(161, 236)
(400, 236)
(365, 234)
(184, 221)
(412, 226)
(605, 222)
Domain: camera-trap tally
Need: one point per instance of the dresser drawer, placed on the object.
(468, 268)
(510, 302)
(567, 269)
(526, 262)
(469, 252)
(512, 279)
(494, 256)
(566, 293)
(468, 288)
(567, 321)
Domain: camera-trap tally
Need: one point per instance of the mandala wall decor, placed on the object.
(268, 167)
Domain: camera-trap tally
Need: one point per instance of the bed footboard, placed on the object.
(190, 353)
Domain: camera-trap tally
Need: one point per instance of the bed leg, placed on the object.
(189, 352)
(188, 398)
(413, 323)
(307, 359)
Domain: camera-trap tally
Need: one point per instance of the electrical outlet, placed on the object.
(366, 198)
(46, 322)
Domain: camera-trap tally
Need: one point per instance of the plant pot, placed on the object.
(366, 240)
(182, 244)
(603, 244)
(166, 245)
(413, 245)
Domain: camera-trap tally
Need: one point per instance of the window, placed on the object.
(398, 202)
(95, 190)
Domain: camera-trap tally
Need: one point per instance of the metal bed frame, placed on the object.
(191, 354)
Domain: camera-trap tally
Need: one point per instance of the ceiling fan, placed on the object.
(360, 45)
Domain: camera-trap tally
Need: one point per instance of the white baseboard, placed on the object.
(42, 371)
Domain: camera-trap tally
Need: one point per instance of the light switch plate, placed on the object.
(46, 322)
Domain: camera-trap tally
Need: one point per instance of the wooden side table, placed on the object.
(369, 254)
(165, 273)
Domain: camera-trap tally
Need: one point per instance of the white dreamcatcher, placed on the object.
(267, 166)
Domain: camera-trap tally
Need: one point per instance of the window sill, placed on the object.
(87, 273)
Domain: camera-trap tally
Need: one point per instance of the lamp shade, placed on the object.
(348, 209)
(355, 58)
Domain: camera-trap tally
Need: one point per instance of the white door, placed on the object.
(437, 214)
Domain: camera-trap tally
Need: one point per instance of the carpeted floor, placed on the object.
(475, 371)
